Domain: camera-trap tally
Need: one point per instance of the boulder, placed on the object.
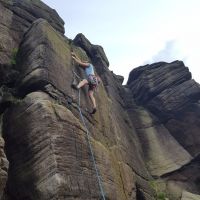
(189, 196)
(185, 128)
(44, 57)
(49, 157)
(165, 112)
(16, 17)
(175, 99)
(162, 153)
(146, 82)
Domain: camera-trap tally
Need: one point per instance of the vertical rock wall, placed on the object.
(145, 135)
(52, 155)
(169, 101)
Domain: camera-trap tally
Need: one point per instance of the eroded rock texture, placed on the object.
(168, 119)
(3, 168)
(52, 155)
(16, 17)
(145, 135)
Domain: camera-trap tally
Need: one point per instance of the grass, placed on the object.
(159, 194)
(13, 57)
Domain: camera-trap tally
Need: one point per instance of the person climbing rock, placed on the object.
(91, 81)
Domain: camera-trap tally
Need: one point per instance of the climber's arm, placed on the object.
(78, 60)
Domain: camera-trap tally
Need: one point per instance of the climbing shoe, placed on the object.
(74, 86)
(93, 111)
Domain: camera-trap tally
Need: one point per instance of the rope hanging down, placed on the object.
(90, 145)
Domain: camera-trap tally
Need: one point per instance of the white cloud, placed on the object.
(135, 32)
(185, 49)
(169, 53)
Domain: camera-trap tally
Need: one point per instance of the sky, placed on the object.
(136, 32)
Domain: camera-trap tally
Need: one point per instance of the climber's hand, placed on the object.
(73, 54)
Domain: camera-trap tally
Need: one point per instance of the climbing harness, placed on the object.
(89, 143)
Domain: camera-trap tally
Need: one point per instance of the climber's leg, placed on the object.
(91, 95)
(81, 84)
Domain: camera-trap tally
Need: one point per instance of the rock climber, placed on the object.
(91, 81)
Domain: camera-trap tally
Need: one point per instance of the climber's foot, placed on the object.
(74, 86)
(93, 111)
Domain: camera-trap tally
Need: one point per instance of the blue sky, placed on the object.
(136, 32)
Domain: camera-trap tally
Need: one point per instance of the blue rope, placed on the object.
(90, 147)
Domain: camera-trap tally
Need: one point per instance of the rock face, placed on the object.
(169, 122)
(16, 17)
(142, 145)
(52, 156)
(3, 168)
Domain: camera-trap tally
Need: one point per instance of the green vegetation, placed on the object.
(161, 196)
(159, 193)
(14, 55)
